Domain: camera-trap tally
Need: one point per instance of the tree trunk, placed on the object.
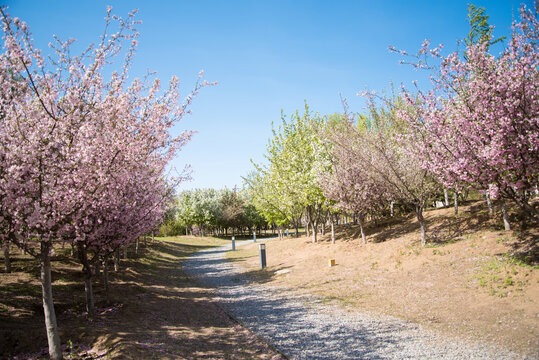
(106, 276)
(489, 204)
(72, 250)
(465, 194)
(307, 231)
(136, 246)
(55, 349)
(324, 228)
(153, 236)
(87, 274)
(419, 213)
(332, 232)
(506, 223)
(117, 259)
(446, 197)
(360, 220)
(89, 293)
(145, 241)
(392, 207)
(97, 271)
(456, 203)
(7, 260)
(314, 229)
(125, 252)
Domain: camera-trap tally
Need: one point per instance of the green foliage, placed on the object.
(205, 210)
(286, 187)
(171, 228)
(480, 30)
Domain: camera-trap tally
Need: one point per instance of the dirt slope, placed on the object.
(469, 281)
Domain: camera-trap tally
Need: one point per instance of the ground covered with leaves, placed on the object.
(153, 311)
(472, 280)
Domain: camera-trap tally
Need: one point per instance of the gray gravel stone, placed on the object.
(303, 327)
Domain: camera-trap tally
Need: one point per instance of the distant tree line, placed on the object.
(204, 212)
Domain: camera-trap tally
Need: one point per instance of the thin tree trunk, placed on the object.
(332, 232)
(446, 197)
(53, 338)
(125, 252)
(456, 203)
(89, 293)
(360, 221)
(7, 259)
(145, 241)
(489, 204)
(97, 268)
(117, 259)
(87, 274)
(106, 276)
(506, 223)
(465, 194)
(392, 207)
(419, 213)
(314, 229)
(136, 245)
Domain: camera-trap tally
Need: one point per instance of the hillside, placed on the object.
(472, 280)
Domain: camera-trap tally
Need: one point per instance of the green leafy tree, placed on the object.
(480, 30)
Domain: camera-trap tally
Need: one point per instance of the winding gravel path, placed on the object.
(303, 327)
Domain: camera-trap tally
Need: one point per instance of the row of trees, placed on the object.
(83, 155)
(205, 211)
(477, 128)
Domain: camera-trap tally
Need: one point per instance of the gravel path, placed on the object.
(303, 327)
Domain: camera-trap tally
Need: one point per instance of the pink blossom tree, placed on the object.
(378, 165)
(484, 129)
(80, 154)
(349, 181)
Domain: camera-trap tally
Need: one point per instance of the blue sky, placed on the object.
(266, 56)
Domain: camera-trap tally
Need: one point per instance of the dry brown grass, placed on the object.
(154, 312)
(469, 281)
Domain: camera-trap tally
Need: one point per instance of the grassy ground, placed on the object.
(473, 280)
(154, 310)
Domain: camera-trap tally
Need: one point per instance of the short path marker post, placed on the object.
(262, 250)
(233, 243)
(331, 262)
(254, 237)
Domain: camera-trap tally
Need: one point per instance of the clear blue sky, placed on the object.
(267, 56)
